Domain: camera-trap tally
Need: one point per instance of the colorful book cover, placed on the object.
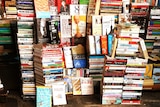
(78, 26)
(42, 9)
(43, 96)
(148, 72)
(79, 58)
(96, 25)
(110, 42)
(104, 44)
(65, 23)
(76, 81)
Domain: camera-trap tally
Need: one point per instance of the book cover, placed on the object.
(42, 9)
(43, 96)
(98, 44)
(58, 93)
(92, 48)
(104, 44)
(78, 26)
(87, 86)
(42, 30)
(108, 23)
(65, 23)
(68, 57)
(96, 25)
(76, 81)
(79, 58)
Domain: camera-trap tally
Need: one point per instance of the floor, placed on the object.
(149, 99)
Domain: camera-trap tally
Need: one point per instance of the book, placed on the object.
(76, 81)
(68, 57)
(65, 23)
(79, 58)
(58, 93)
(42, 9)
(97, 44)
(108, 22)
(96, 25)
(78, 26)
(104, 44)
(87, 86)
(92, 48)
(43, 96)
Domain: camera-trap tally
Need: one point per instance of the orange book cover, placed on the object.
(104, 46)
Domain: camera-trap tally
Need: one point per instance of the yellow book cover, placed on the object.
(78, 26)
(148, 73)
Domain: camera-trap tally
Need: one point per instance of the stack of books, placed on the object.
(5, 32)
(96, 64)
(110, 7)
(11, 9)
(48, 64)
(112, 82)
(25, 40)
(154, 23)
(139, 12)
(133, 81)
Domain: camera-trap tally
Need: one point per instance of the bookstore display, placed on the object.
(83, 47)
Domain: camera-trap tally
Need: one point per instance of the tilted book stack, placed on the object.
(112, 81)
(25, 40)
(48, 64)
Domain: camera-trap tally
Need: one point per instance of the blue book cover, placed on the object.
(79, 63)
(110, 39)
(43, 96)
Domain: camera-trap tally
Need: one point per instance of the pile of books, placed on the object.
(112, 81)
(11, 9)
(25, 40)
(133, 81)
(48, 64)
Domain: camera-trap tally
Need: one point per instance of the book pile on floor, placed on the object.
(112, 81)
(25, 40)
(133, 81)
